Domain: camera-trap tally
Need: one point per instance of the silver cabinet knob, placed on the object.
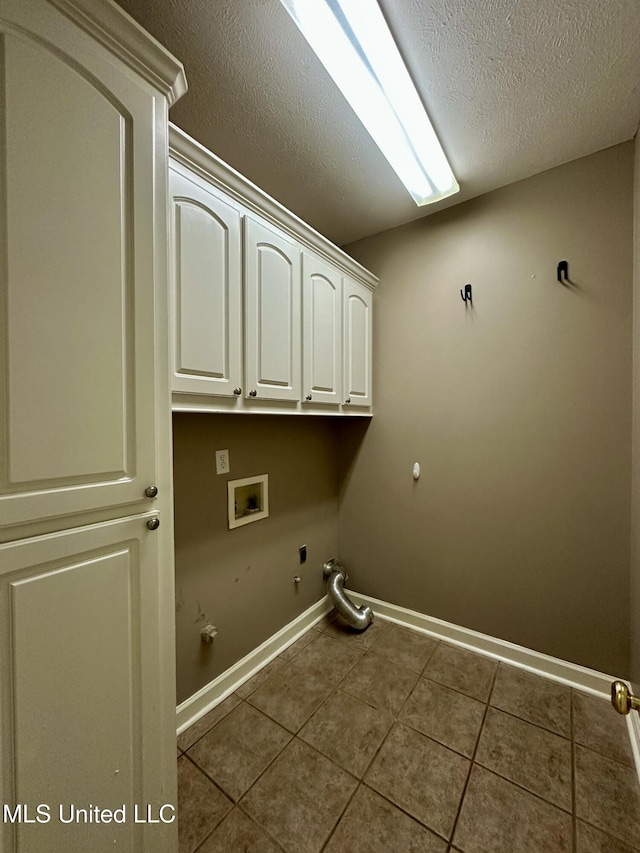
(237, 391)
(348, 400)
(297, 578)
(151, 491)
(308, 397)
(153, 523)
(253, 393)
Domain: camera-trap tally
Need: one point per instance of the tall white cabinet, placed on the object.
(87, 692)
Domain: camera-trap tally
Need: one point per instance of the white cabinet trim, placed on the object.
(207, 165)
(112, 27)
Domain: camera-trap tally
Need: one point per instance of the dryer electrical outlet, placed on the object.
(222, 462)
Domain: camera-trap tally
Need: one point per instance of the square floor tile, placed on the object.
(380, 683)
(499, 817)
(597, 724)
(299, 798)
(591, 840)
(201, 727)
(404, 647)
(325, 656)
(297, 646)
(347, 731)
(530, 756)
(445, 715)
(236, 751)
(291, 695)
(201, 806)
(237, 833)
(258, 679)
(462, 670)
(533, 698)
(420, 776)
(297, 689)
(607, 794)
(373, 824)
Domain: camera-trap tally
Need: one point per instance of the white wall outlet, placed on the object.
(222, 462)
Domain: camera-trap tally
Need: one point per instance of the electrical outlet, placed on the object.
(222, 462)
(302, 551)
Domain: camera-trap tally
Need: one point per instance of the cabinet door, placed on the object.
(321, 331)
(358, 305)
(272, 314)
(83, 713)
(207, 289)
(77, 395)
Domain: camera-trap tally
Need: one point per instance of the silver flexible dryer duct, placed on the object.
(358, 617)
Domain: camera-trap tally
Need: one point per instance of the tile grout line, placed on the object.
(294, 736)
(395, 720)
(263, 828)
(472, 760)
(218, 788)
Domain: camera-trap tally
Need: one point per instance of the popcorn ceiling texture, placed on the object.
(513, 87)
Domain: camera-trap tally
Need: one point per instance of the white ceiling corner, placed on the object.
(513, 87)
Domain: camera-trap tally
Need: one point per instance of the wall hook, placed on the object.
(466, 296)
(563, 269)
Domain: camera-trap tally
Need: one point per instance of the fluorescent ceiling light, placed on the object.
(353, 42)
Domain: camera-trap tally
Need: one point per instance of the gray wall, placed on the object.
(518, 410)
(635, 500)
(242, 579)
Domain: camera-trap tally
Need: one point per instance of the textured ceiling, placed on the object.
(513, 87)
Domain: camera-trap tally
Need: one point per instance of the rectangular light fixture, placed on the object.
(352, 40)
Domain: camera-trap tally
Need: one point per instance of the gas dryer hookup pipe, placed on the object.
(358, 617)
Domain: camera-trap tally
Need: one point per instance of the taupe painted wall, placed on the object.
(518, 410)
(635, 501)
(242, 579)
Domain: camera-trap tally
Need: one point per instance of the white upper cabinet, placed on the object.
(272, 314)
(260, 320)
(206, 278)
(357, 344)
(321, 331)
(77, 288)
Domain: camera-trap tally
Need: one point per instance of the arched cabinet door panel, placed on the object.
(206, 276)
(321, 331)
(358, 303)
(272, 314)
(76, 288)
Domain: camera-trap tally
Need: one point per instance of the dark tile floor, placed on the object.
(393, 742)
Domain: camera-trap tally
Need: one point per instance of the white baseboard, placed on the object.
(215, 691)
(570, 674)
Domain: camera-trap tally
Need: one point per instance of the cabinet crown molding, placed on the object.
(186, 150)
(112, 27)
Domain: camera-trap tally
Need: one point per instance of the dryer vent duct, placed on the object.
(358, 617)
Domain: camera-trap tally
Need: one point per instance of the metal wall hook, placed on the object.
(563, 269)
(467, 296)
